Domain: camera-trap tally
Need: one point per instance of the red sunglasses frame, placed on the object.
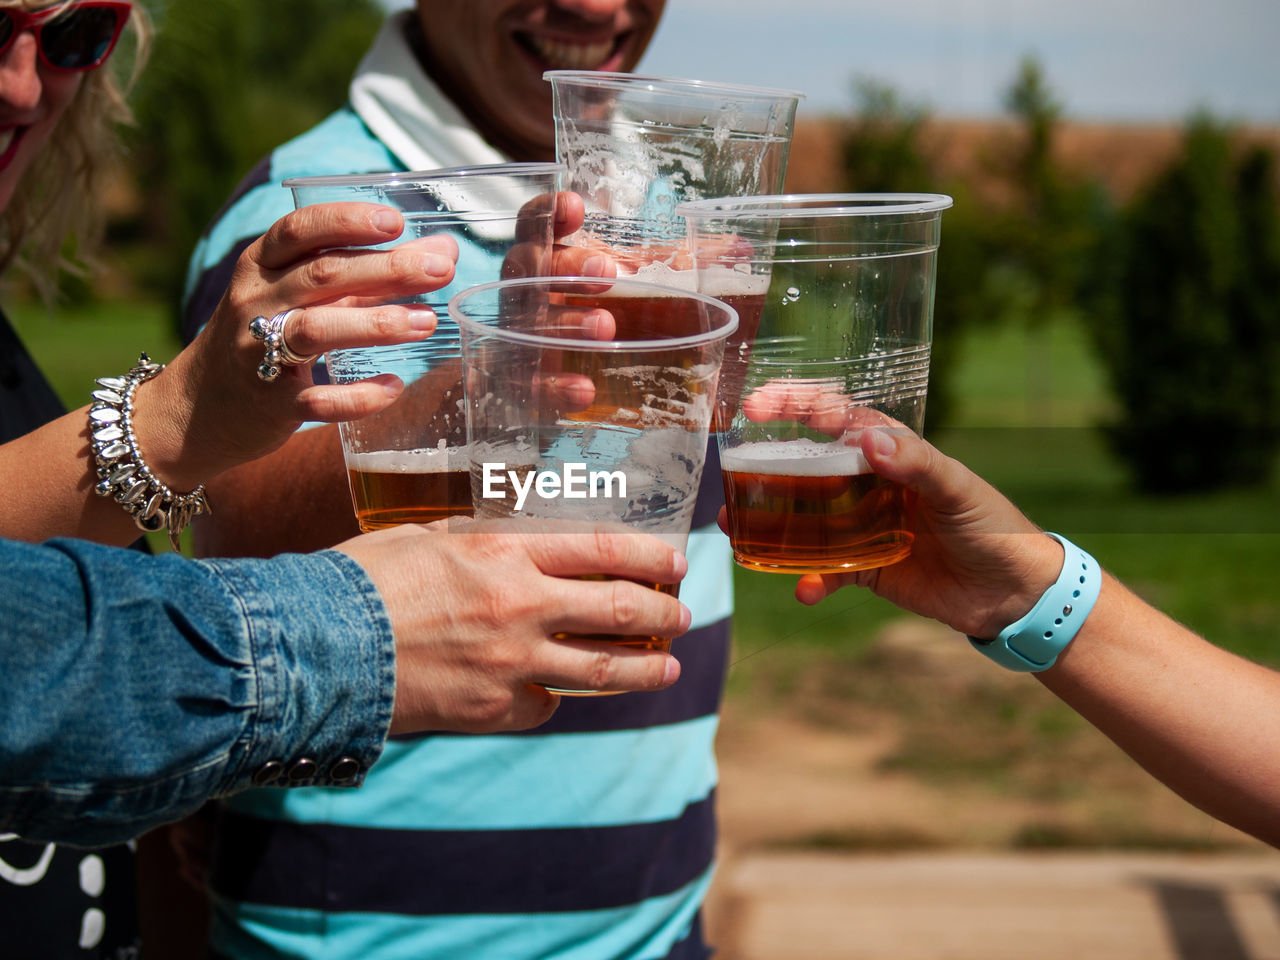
(35, 20)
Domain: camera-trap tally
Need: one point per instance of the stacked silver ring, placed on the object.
(271, 333)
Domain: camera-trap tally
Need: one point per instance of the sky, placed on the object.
(1103, 59)
(1130, 60)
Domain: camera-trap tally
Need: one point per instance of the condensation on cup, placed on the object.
(565, 426)
(846, 292)
(408, 463)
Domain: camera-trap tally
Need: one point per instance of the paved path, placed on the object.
(1072, 906)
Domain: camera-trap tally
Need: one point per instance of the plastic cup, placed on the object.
(408, 463)
(571, 420)
(635, 147)
(844, 301)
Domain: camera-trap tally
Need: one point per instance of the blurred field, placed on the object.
(75, 344)
(851, 725)
(1123, 156)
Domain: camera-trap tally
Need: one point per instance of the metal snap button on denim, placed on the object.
(268, 773)
(344, 770)
(302, 769)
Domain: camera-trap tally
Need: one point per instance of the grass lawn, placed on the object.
(76, 344)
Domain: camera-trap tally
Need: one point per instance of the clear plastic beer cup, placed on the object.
(635, 147)
(408, 463)
(843, 288)
(590, 400)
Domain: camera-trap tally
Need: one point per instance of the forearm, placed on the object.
(56, 471)
(51, 477)
(295, 499)
(138, 687)
(1202, 720)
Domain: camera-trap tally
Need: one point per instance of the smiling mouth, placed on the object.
(572, 54)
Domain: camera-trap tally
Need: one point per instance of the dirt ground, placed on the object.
(828, 766)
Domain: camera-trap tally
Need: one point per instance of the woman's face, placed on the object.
(32, 101)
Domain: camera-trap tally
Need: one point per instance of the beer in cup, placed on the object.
(842, 346)
(408, 463)
(589, 400)
(634, 147)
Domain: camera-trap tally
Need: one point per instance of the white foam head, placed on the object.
(442, 459)
(795, 458)
(668, 276)
(716, 280)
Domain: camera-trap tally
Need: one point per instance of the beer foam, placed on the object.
(660, 273)
(795, 458)
(441, 459)
(716, 280)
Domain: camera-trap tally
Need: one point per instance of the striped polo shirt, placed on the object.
(589, 838)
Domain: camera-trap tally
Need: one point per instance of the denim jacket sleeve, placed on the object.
(134, 688)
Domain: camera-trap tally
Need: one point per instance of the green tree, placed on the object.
(1041, 244)
(1045, 237)
(880, 143)
(1030, 99)
(228, 81)
(1192, 342)
(882, 149)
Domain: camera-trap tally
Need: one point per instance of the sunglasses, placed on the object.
(69, 37)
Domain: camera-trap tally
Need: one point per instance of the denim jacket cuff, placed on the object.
(325, 671)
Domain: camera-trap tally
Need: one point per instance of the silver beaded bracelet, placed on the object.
(122, 472)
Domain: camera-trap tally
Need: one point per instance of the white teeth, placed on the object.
(565, 55)
(6, 138)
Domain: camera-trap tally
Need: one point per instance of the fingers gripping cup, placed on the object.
(408, 463)
(590, 400)
(843, 346)
(635, 147)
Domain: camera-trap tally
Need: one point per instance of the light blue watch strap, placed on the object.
(1033, 643)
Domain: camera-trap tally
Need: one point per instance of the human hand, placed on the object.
(209, 411)
(529, 256)
(555, 389)
(432, 403)
(977, 564)
(476, 607)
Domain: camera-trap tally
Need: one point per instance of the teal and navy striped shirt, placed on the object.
(590, 838)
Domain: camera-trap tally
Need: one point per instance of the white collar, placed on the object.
(405, 109)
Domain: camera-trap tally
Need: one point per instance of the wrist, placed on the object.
(1037, 558)
(161, 421)
(123, 471)
(1033, 642)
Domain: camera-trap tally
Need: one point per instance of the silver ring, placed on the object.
(278, 353)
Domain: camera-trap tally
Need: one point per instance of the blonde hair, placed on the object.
(54, 221)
